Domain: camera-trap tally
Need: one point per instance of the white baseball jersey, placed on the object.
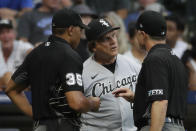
(180, 48)
(129, 55)
(16, 58)
(115, 114)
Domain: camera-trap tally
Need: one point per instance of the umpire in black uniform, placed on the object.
(53, 70)
(160, 97)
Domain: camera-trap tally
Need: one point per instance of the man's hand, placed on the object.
(126, 93)
(95, 103)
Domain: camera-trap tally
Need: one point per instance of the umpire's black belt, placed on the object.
(172, 120)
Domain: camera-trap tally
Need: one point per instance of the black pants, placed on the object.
(56, 125)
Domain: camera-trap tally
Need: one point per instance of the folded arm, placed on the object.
(15, 93)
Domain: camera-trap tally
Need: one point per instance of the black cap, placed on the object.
(98, 28)
(5, 23)
(152, 23)
(65, 18)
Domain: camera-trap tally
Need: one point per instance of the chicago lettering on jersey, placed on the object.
(103, 88)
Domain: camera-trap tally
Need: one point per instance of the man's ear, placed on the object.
(94, 49)
(143, 33)
(94, 46)
(91, 46)
(179, 33)
(145, 36)
(70, 30)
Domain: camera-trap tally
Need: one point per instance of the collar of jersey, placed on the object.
(159, 46)
(55, 39)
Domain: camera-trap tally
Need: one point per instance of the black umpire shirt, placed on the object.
(162, 77)
(51, 69)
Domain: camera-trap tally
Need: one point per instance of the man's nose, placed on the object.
(112, 40)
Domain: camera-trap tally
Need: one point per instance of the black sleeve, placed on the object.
(70, 74)
(21, 76)
(157, 81)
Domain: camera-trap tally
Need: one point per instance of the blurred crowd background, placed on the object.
(24, 24)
